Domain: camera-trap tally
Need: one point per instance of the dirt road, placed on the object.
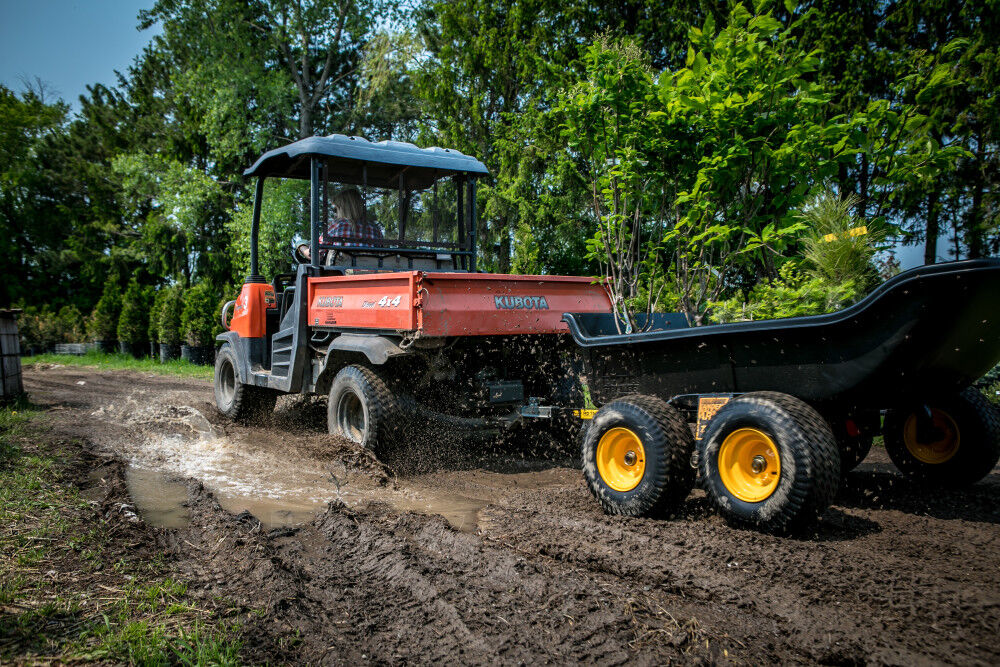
(494, 557)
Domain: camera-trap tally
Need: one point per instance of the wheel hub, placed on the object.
(934, 440)
(351, 417)
(621, 459)
(749, 464)
(227, 383)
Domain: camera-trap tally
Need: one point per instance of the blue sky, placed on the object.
(69, 43)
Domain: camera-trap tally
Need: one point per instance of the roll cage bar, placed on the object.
(386, 165)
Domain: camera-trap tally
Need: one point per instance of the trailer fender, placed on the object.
(378, 349)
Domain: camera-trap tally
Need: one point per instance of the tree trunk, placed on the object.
(973, 234)
(933, 226)
(504, 263)
(305, 118)
(863, 187)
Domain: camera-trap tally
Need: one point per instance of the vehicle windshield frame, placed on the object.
(385, 164)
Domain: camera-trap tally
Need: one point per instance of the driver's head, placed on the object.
(347, 204)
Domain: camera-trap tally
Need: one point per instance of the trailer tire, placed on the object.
(243, 403)
(854, 450)
(968, 450)
(362, 409)
(855, 443)
(636, 457)
(769, 461)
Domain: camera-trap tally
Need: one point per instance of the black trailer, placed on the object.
(784, 408)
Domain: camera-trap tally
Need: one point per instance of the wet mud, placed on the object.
(460, 550)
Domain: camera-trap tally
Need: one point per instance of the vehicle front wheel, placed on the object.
(362, 408)
(637, 457)
(240, 402)
(946, 442)
(769, 461)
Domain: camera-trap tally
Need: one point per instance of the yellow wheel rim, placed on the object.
(621, 460)
(749, 465)
(940, 450)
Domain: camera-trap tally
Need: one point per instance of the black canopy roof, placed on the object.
(385, 161)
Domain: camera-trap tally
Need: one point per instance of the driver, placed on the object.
(348, 221)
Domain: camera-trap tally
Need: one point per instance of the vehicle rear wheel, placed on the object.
(361, 408)
(769, 461)
(946, 442)
(636, 457)
(240, 402)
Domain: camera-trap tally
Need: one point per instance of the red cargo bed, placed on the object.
(452, 304)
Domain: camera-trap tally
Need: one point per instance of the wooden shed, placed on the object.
(10, 356)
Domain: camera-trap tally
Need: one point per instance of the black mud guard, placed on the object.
(239, 347)
(377, 348)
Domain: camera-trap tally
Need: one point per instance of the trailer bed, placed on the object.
(928, 331)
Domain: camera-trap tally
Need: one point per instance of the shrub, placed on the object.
(103, 322)
(31, 330)
(198, 317)
(133, 323)
(70, 325)
(43, 328)
(793, 294)
(839, 267)
(839, 247)
(169, 316)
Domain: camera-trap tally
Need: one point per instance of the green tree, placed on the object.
(491, 71)
(26, 120)
(103, 323)
(284, 216)
(169, 317)
(199, 316)
(157, 301)
(133, 323)
(724, 151)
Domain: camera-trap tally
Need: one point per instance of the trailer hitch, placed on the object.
(536, 411)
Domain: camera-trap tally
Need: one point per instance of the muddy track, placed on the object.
(498, 556)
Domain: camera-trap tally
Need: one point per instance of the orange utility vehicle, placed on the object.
(369, 320)
(397, 326)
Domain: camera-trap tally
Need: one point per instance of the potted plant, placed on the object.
(133, 324)
(197, 321)
(103, 323)
(169, 324)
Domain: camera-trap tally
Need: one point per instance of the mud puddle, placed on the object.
(282, 481)
(159, 498)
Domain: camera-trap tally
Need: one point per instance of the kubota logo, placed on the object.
(520, 302)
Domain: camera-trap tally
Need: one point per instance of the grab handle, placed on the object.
(225, 307)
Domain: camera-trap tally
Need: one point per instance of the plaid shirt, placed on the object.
(371, 231)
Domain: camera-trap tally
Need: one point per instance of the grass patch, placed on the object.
(68, 590)
(105, 361)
